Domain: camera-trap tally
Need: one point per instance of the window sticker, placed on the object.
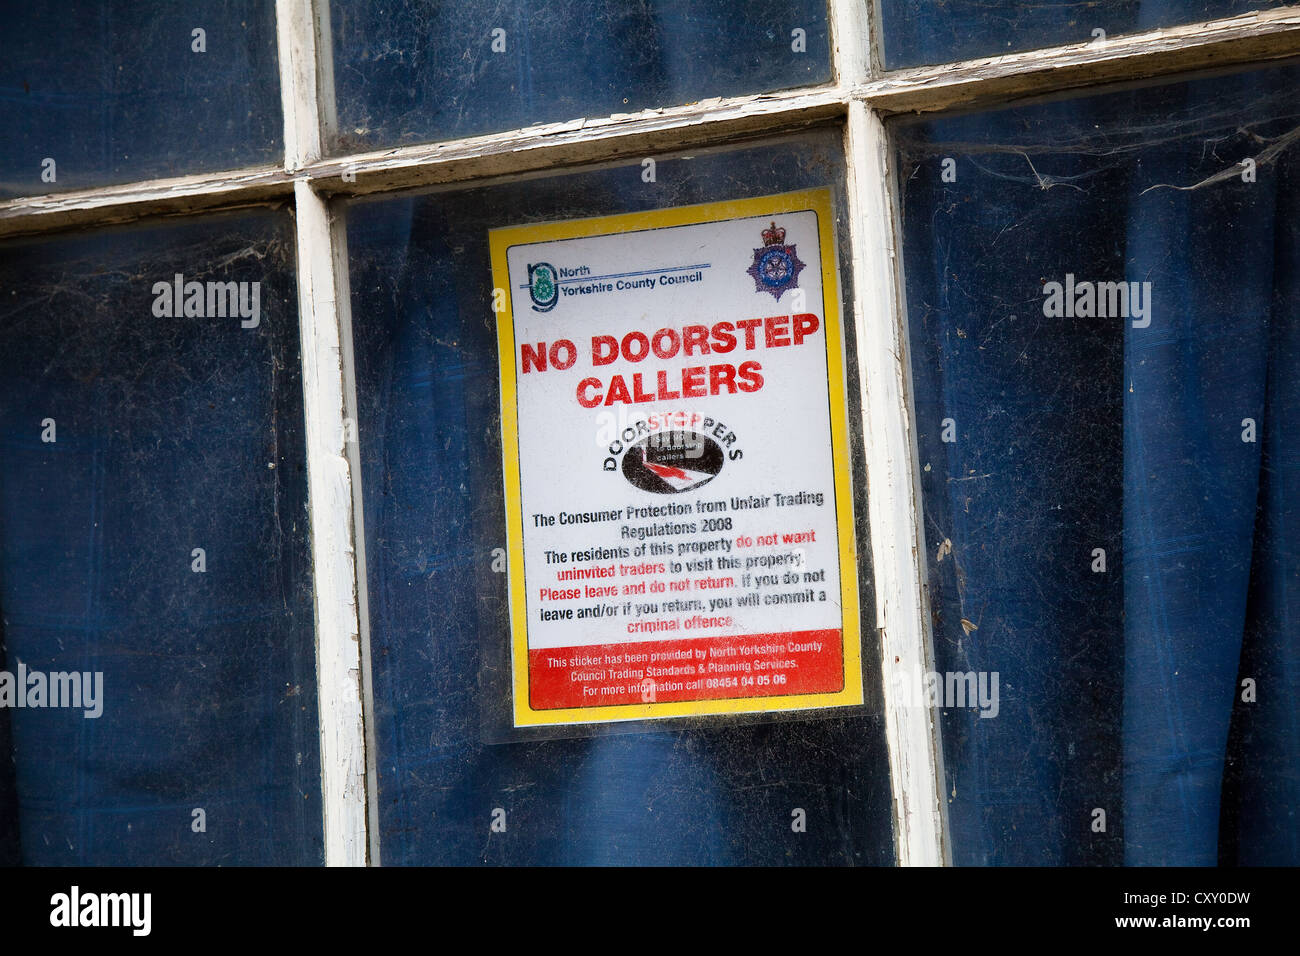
(679, 511)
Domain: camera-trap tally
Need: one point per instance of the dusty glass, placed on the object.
(707, 790)
(157, 667)
(1102, 298)
(116, 91)
(918, 32)
(425, 70)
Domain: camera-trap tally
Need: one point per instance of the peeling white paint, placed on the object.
(329, 488)
(321, 273)
(1242, 40)
(893, 505)
(893, 502)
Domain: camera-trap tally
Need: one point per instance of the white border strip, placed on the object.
(343, 310)
(893, 504)
(329, 471)
(295, 27)
(897, 542)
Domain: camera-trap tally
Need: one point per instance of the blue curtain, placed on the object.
(113, 91)
(917, 32)
(1165, 446)
(423, 70)
(1208, 564)
(169, 434)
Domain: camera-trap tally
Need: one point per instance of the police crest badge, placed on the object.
(776, 266)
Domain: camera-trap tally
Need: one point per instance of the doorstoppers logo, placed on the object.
(672, 462)
(543, 286)
(776, 266)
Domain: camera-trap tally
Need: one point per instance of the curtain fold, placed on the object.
(1157, 686)
(1195, 384)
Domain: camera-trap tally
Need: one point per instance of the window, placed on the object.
(157, 587)
(1103, 482)
(445, 746)
(935, 31)
(414, 71)
(255, 476)
(110, 92)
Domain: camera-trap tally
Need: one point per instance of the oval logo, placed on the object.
(543, 286)
(667, 463)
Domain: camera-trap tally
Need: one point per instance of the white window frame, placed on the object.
(860, 97)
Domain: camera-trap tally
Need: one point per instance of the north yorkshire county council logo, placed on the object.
(776, 266)
(542, 286)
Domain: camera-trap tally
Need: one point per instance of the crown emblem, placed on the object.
(774, 236)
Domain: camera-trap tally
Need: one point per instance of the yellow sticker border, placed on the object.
(500, 241)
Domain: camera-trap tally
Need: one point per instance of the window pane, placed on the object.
(918, 32)
(1102, 295)
(153, 536)
(423, 70)
(115, 91)
(720, 789)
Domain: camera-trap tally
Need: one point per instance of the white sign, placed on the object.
(677, 476)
